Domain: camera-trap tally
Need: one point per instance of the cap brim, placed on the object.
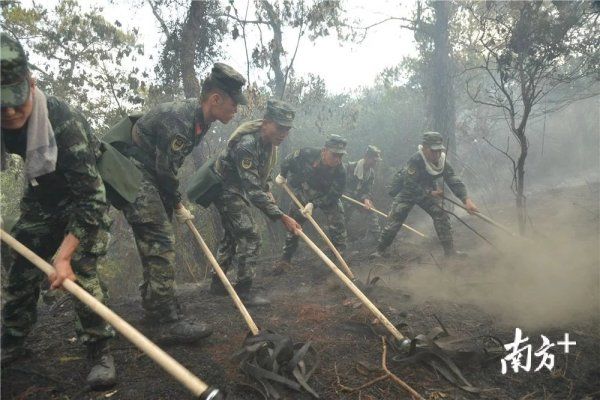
(14, 95)
(437, 147)
(337, 151)
(284, 124)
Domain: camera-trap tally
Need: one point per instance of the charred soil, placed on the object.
(417, 287)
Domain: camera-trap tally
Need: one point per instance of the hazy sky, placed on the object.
(343, 65)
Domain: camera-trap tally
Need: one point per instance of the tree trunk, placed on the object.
(190, 34)
(278, 84)
(441, 93)
(520, 183)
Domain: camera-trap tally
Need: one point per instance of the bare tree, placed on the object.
(313, 18)
(527, 50)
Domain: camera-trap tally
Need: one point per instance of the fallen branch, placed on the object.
(387, 375)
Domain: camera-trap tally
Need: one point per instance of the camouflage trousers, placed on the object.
(155, 241)
(372, 220)
(400, 209)
(241, 241)
(335, 228)
(42, 231)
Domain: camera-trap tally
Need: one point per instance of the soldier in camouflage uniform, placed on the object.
(159, 142)
(421, 182)
(360, 177)
(245, 167)
(318, 178)
(63, 211)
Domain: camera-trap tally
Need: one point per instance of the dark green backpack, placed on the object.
(120, 175)
(205, 185)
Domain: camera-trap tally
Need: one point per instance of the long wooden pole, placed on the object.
(213, 261)
(483, 217)
(350, 199)
(321, 232)
(389, 326)
(169, 364)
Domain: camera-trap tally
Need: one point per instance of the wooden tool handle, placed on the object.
(178, 371)
(213, 261)
(389, 326)
(382, 214)
(483, 217)
(320, 231)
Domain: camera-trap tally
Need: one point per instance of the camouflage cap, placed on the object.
(336, 144)
(280, 112)
(230, 81)
(14, 70)
(373, 151)
(433, 140)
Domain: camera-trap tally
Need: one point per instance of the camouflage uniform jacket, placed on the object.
(75, 184)
(165, 136)
(323, 186)
(245, 166)
(414, 181)
(360, 189)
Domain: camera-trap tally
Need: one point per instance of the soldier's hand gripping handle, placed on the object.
(280, 179)
(290, 224)
(470, 206)
(308, 209)
(183, 214)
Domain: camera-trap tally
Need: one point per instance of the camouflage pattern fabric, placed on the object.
(372, 220)
(412, 185)
(155, 241)
(335, 227)
(15, 87)
(245, 166)
(241, 241)
(321, 185)
(280, 112)
(315, 183)
(361, 189)
(42, 232)
(72, 199)
(163, 137)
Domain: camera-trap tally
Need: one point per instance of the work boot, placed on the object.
(102, 375)
(282, 266)
(13, 349)
(169, 327)
(244, 289)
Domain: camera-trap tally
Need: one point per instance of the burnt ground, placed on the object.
(308, 304)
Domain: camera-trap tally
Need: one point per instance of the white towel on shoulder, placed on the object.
(41, 154)
(432, 169)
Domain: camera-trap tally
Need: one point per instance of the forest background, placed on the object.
(514, 87)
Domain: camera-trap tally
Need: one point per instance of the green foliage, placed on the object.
(315, 18)
(80, 56)
(172, 16)
(12, 185)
